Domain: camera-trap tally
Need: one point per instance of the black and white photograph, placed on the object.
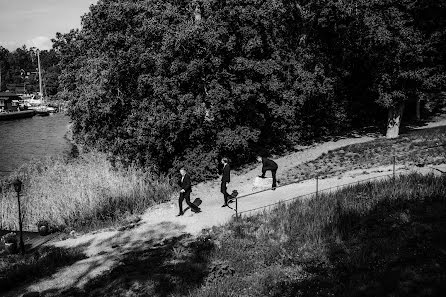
(222, 148)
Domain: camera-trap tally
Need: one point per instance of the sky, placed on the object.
(34, 22)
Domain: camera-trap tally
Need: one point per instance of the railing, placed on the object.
(316, 193)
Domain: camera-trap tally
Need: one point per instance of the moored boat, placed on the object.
(13, 115)
(41, 110)
(10, 107)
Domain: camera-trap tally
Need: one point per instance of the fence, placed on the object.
(317, 190)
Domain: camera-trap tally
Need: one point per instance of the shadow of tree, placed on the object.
(173, 266)
(18, 270)
(396, 249)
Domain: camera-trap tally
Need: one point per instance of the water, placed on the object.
(25, 139)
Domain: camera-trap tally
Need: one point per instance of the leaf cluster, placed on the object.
(155, 85)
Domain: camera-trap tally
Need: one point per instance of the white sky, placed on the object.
(35, 22)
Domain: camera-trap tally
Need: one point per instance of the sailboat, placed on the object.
(40, 109)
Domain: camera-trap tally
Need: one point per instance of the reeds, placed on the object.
(85, 192)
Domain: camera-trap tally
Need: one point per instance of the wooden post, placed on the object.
(236, 209)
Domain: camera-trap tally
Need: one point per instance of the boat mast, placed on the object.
(40, 76)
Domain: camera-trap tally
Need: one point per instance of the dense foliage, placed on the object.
(19, 70)
(177, 82)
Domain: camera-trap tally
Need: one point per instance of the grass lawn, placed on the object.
(412, 148)
(374, 239)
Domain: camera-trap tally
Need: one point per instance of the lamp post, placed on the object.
(18, 187)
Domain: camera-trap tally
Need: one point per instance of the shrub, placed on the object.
(10, 238)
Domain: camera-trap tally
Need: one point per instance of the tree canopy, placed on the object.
(19, 68)
(171, 83)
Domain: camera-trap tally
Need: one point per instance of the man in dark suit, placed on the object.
(268, 164)
(186, 189)
(225, 179)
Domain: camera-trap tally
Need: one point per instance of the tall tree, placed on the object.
(182, 82)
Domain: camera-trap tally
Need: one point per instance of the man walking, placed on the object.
(186, 189)
(225, 179)
(268, 164)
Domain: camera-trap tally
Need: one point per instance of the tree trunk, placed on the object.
(394, 120)
(417, 111)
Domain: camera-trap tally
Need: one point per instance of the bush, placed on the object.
(10, 238)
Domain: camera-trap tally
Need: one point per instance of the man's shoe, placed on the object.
(196, 210)
(273, 188)
(225, 205)
(180, 214)
(231, 201)
(261, 176)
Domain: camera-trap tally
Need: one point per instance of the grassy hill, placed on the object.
(377, 239)
(417, 147)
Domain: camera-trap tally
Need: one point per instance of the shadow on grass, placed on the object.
(397, 249)
(18, 270)
(147, 261)
(174, 266)
(377, 239)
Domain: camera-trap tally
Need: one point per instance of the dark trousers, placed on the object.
(273, 173)
(186, 196)
(224, 190)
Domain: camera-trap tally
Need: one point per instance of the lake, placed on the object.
(25, 139)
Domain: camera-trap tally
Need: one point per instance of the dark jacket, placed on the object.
(226, 174)
(268, 164)
(185, 184)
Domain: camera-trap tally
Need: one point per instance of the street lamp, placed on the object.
(18, 187)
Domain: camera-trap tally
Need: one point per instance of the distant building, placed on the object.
(17, 88)
(9, 101)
